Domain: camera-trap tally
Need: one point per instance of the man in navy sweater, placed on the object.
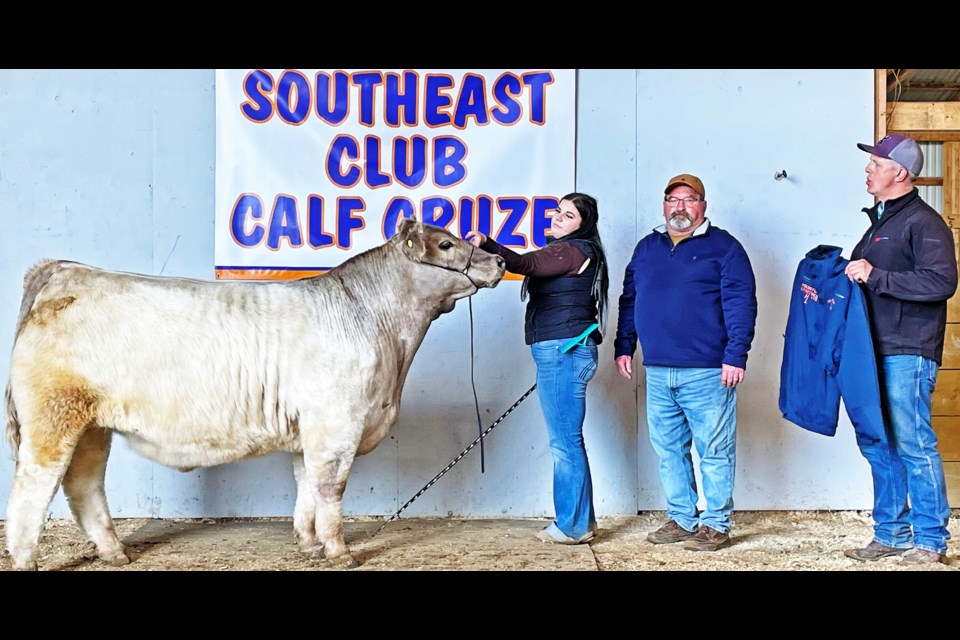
(689, 298)
(907, 268)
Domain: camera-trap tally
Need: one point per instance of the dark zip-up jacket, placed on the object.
(828, 351)
(914, 262)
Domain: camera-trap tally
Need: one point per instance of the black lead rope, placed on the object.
(457, 459)
(476, 402)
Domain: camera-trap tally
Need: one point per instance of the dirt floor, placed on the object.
(766, 540)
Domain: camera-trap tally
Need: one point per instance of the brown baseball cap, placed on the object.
(691, 181)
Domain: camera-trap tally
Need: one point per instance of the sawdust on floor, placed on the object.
(762, 540)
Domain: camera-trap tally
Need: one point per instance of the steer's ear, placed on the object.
(410, 237)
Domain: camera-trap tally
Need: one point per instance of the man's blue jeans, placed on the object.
(687, 406)
(910, 464)
(562, 388)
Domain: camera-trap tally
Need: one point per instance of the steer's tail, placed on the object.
(36, 277)
(13, 424)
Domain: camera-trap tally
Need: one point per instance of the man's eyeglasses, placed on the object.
(688, 200)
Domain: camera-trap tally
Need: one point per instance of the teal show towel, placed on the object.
(580, 339)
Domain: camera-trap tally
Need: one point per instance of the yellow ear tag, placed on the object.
(410, 243)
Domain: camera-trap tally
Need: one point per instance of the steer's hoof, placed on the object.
(27, 566)
(315, 552)
(89, 551)
(117, 560)
(345, 561)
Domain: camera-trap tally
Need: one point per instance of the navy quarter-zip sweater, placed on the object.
(689, 305)
(828, 351)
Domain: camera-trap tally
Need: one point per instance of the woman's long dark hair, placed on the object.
(589, 214)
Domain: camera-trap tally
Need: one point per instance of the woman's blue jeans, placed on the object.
(910, 465)
(562, 388)
(687, 406)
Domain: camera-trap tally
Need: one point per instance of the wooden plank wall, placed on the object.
(946, 397)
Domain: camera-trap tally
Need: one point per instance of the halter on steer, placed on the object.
(461, 271)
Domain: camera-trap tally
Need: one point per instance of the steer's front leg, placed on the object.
(304, 511)
(326, 475)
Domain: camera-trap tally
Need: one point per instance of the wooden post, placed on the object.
(951, 183)
(880, 102)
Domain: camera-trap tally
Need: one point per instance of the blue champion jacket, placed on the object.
(828, 351)
(689, 305)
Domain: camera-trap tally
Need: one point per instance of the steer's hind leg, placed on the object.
(40, 469)
(53, 418)
(83, 486)
(34, 486)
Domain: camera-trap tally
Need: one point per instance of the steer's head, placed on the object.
(448, 264)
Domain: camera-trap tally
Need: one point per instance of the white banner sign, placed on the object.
(315, 166)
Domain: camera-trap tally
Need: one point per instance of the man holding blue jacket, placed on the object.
(689, 298)
(907, 266)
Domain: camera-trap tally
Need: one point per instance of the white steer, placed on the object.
(199, 373)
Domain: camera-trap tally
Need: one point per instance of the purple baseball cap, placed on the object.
(901, 149)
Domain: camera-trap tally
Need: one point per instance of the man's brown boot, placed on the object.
(707, 539)
(923, 556)
(874, 551)
(669, 533)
